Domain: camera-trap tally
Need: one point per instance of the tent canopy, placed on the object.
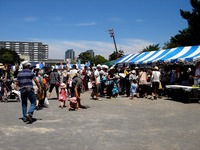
(174, 55)
(110, 63)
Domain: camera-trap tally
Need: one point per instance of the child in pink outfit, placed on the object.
(63, 95)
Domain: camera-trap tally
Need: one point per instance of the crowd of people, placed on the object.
(103, 82)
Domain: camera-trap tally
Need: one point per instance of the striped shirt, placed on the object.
(25, 78)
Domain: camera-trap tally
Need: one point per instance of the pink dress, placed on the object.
(63, 95)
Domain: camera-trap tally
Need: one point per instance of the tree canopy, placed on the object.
(152, 47)
(9, 56)
(86, 56)
(115, 55)
(190, 35)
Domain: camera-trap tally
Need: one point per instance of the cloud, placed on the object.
(139, 20)
(129, 46)
(86, 24)
(115, 19)
(30, 19)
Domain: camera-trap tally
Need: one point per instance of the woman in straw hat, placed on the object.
(155, 80)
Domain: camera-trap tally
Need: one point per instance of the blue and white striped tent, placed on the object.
(174, 55)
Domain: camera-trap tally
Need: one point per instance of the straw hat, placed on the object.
(98, 66)
(62, 85)
(94, 68)
(112, 68)
(25, 63)
(1, 66)
(133, 72)
(46, 75)
(156, 68)
(105, 66)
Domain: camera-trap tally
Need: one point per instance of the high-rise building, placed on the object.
(91, 52)
(35, 51)
(70, 54)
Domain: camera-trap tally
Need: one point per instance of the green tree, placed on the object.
(84, 57)
(98, 59)
(190, 35)
(115, 55)
(153, 47)
(9, 56)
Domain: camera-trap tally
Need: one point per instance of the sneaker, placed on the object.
(29, 118)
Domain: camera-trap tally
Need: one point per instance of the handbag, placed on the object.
(160, 86)
(57, 84)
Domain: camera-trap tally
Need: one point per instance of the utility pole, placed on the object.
(111, 31)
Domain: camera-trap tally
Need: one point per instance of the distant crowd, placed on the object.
(103, 82)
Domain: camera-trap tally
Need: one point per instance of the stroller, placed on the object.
(9, 92)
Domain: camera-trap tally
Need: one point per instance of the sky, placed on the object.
(83, 24)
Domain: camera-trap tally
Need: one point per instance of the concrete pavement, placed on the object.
(110, 124)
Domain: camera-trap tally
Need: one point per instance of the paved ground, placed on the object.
(118, 124)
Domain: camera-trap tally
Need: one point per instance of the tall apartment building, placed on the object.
(70, 54)
(36, 51)
(91, 52)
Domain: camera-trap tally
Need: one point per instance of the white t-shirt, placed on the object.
(72, 73)
(97, 75)
(155, 76)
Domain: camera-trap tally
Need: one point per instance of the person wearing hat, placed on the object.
(97, 81)
(110, 83)
(123, 80)
(24, 80)
(72, 74)
(155, 80)
(132, 75)
(62, 95)
(103, 73)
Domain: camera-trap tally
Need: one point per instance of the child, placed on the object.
(62, 95)
(133, 89)
(73, 104)
(94, 89)
(115, 90)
